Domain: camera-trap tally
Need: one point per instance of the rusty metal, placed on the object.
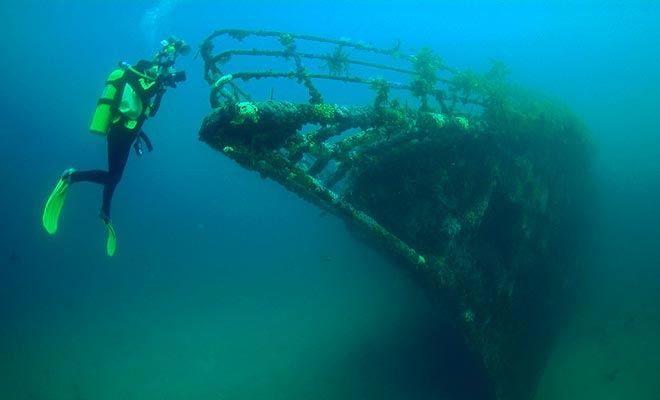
(472, 183)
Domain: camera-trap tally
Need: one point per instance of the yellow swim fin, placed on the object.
(111, 244)
(56, 201)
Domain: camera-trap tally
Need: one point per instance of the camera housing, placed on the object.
(174, 44)
(172, 47)
(172, 78)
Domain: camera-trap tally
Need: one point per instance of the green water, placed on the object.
(281, 322)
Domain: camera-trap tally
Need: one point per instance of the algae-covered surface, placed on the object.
(478, 187)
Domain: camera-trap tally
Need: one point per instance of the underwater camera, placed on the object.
(165, 58)
(174, 44)
(171, 78)
(172, 47)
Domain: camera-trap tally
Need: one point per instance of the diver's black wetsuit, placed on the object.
(120, 140)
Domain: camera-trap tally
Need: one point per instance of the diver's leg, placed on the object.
(55, 202)
(56, 199)
(119, 146)
(95, 175)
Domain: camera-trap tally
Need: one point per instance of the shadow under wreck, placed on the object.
(476, 186)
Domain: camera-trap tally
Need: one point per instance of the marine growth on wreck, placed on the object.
(474, 184)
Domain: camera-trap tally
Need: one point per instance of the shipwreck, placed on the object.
(475, 185)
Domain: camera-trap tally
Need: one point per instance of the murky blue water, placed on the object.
(226, 286)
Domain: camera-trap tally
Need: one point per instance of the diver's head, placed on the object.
(148, 68)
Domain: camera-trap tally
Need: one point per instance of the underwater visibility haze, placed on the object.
(226, 285)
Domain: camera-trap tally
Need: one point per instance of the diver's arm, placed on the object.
(153, 108)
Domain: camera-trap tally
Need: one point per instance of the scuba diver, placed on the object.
(132, 94)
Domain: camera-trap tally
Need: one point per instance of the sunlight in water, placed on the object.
(153, 17)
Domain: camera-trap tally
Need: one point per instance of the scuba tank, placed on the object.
(120, 102)
(106, 105)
